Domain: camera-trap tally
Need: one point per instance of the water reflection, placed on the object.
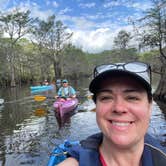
(21, 140)
(162, 107)
(159, 117)
(66, 119)
(40, 112)
(18, 131)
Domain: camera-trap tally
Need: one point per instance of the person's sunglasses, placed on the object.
(134, 67)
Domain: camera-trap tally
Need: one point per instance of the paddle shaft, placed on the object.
(42, 98)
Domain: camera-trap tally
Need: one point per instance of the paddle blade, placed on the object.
(93, 110)
(40, 98)
(89, 97)
(40, 112)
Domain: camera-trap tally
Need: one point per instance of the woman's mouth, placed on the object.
(115, 123)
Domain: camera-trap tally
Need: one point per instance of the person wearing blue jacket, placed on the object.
(123, 96)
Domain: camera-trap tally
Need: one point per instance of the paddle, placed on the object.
(40, 112)
(2, 101)
(42, 98)
(93, 110)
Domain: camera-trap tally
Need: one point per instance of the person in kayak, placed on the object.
(58, 84)
(66, 92)
(45, 82)
(123, 96)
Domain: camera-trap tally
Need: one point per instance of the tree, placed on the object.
(58, 45)
(16, 24)
(154, 36)
(41, 38)
(122, 40)
(75, 62)
(123, 51)
(52, 37)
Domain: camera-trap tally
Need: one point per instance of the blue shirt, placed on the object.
(147, 157)
(66, 91)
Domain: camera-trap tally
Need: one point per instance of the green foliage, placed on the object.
(154, 35)
(152, 57)
(15, 24)
(113, 56)
(74, 62)
(148, 55)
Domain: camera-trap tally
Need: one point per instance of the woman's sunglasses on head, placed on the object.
(134, 67)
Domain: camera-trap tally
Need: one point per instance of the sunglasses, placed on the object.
(134, 67)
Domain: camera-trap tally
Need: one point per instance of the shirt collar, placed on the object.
(147, 157)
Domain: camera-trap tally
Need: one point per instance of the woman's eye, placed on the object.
(132, 98)
(105, 98)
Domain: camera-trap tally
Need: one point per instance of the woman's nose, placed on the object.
(119, 106)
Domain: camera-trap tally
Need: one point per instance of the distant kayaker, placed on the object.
(123, 98)
(66, 92)
(45, 82)
(58, 84)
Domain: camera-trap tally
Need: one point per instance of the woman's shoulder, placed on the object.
(154, 143)
(89, 144)
(158, 156)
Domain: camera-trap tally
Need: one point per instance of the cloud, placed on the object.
(93, 41)
(36, 10)
(98, 40)
(142, 6)
(128, 4)
(77, 23)
(64, 11)
(55, 4)
(87, 5)
(111, 4)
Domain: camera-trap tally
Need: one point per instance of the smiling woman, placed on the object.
(123, 97)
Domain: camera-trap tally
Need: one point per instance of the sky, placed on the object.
(94, 23)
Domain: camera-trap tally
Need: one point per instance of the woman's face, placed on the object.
(123, 111)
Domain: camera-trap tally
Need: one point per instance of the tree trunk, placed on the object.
(57, 70)
(160, 93)
(13, 82)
